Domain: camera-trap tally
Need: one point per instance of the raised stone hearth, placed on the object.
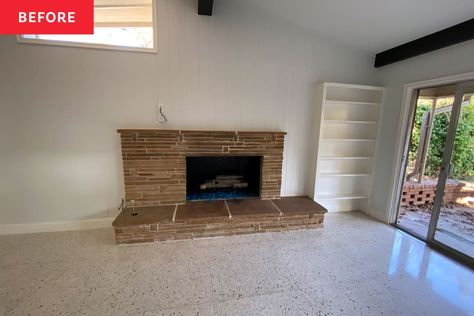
(217, 218)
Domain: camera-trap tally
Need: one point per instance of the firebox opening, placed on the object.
(216, 178)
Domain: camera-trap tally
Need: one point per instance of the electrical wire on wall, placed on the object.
(163, 119)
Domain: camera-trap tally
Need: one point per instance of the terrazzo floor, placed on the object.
(354, 266)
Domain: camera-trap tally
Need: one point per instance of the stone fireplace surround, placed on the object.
(154, 161)
(154, 165)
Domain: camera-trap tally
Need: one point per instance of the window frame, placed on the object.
(153, 50)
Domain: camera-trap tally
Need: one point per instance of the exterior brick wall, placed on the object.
(154, 161)
(416, 194)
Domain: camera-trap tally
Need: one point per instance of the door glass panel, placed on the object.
(455, 227)
(427, 142)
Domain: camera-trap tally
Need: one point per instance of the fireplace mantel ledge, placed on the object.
(138, 130)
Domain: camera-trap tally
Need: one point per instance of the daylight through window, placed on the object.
(118, 24)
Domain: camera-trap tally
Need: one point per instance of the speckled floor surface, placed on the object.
(355, 266)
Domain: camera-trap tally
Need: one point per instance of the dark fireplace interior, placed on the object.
(216, 178)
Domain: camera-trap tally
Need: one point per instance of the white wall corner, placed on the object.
(58, 226)
(381, 217)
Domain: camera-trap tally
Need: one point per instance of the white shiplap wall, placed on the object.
(236, 70)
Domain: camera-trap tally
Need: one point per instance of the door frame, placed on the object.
(404, 128)
(401, 150)
(444, 174)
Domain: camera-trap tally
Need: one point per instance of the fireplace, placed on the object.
(155, 161)
(226, 177)
(164, 170)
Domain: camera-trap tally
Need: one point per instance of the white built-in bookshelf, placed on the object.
(348, 125)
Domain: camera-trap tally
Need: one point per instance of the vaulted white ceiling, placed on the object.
(369, 25)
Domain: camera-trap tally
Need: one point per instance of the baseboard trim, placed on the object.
(8, 229)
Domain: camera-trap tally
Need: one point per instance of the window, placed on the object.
(118, 24)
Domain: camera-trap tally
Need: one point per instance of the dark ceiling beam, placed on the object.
(205, 7)
(452, 35)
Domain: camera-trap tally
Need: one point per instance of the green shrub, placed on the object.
(463, 155)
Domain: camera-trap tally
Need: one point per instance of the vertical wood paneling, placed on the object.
(218, 74)
(236, 70)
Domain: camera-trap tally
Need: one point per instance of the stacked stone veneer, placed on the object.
(211, 227)
(154, 161)
(423, 193)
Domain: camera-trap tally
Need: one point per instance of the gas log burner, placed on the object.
(229, 177)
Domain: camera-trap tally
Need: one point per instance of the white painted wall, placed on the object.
(237, 70)
(449, 61)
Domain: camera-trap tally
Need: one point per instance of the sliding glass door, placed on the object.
(432, 111)
(437, 194)
(451, 226)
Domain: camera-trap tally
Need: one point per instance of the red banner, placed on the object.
(47, 17)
